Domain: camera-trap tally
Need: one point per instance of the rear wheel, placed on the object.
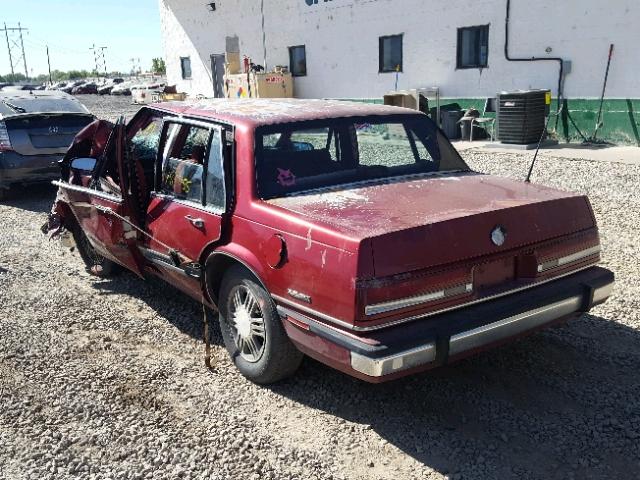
(252, 330)
(95, 263)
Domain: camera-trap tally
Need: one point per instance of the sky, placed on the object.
(129, 28)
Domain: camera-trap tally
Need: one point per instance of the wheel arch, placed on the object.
(219, 261)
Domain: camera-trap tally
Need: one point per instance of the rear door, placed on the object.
(100, 208)
(186, 210)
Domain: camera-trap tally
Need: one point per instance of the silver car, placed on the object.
(36, 129)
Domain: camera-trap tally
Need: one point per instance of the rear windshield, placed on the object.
(17, 105)
(295, 157)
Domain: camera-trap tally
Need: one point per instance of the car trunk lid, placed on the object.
(44, 134)
(436, 220)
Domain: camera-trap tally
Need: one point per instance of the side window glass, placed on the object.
(145, 142)
(215, 188)
(182, 173)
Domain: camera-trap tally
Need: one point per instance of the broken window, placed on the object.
(183, 170)
(473, 47)
(145, 141)
(391, 53)
(185, 65)
(298, 61)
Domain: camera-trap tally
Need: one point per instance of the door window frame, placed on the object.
(164, 149)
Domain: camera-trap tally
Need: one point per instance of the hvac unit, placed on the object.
(522, 115)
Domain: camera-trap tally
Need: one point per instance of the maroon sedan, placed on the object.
(351, 233)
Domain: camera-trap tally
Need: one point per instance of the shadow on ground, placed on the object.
(559, 404)
(35, 198)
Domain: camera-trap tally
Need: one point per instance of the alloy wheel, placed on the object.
(247, 324)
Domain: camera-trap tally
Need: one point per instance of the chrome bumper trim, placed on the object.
(558, 262)
(508, 327)
(378, 367)
(602, 293)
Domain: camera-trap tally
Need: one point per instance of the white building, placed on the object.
(351, 48)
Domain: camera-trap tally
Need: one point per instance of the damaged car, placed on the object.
(36, 129)
(351, 233)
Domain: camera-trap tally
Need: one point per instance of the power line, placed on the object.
(15, 43)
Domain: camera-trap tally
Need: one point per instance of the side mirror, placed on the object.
(83, 164)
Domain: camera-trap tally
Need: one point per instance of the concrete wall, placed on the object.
(341, 37)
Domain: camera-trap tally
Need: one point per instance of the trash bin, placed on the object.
(450, 121)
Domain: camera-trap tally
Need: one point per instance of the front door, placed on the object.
(101, 210)
(217, 74)
(186, 209)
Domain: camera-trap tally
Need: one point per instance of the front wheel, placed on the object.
(252, 330)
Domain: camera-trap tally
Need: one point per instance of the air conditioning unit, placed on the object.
(522, 116)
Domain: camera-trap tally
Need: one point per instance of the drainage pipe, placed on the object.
(533, 59)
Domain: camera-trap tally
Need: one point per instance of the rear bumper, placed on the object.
(434, 341)
(27, 169)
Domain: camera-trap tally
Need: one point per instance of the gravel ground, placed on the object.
(105, 378)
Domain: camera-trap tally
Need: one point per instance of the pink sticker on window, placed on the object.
(286, 178)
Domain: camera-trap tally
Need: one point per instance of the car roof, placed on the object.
(262, 111)
(28, 94)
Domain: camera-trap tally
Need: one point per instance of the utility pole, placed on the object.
(49, 64)
(135, 67)
(24, 57)
(104, 61)
(16, 44)
(6, 32)
(264, 37)
(99, 59)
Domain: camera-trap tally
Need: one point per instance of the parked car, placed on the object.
(85, 89)
(56, 86)
(68, 88)
(122, 89)
(109, 85)
(352, 233)
(24, 87)
(105, 89)
(36, 129)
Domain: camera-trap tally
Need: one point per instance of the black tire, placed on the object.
(4, 194)
(91, 258)
(277, 357)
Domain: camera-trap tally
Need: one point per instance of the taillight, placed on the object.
(5, 141)
(579, 250)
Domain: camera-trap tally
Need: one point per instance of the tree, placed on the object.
(11, 78)
(158, 66)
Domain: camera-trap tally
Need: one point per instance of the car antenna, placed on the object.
(542, 136)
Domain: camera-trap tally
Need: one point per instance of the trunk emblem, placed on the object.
(53, 130)
(498, 236)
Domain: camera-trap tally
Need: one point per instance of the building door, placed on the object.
(217, 74)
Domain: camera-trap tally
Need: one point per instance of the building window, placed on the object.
(298, 61)
(185, 65)
(391, 53)
(473, 47)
